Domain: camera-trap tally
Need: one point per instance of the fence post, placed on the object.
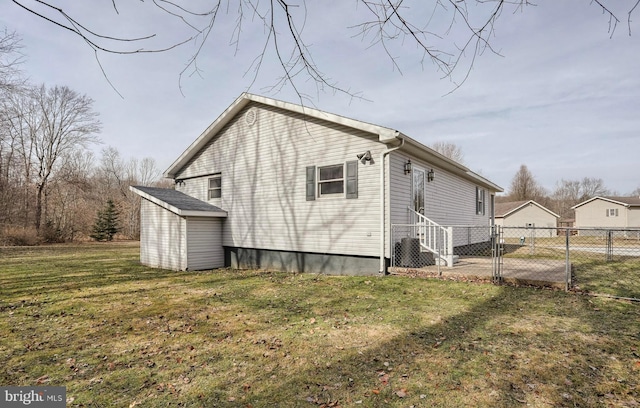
(567, 265)
(609, 256)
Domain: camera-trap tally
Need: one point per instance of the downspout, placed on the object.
(382, 203)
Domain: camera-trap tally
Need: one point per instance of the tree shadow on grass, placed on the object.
(497, 352)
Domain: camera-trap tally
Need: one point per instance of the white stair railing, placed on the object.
(434, 237)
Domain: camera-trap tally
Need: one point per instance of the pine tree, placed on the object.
(106, 225)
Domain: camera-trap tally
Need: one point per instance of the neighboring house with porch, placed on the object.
(283, 186)
(608, 212)
(526, 218)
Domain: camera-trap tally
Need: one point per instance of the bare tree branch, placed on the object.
(394, 24)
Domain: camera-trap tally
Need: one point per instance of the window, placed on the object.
(612, 212)
(331, 180)
(479, 201)
(334, 180)
(215, 187)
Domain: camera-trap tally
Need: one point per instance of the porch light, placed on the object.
(407, 167)
(430, 175)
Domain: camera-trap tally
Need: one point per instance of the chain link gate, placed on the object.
(593, 260)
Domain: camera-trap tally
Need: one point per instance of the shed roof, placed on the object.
(178, 202)
(625, 201)
(505, 209)
(385, 135)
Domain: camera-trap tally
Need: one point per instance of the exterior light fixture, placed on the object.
(407, 167)
(430, 175)
(365, 157)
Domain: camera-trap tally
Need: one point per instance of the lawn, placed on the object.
(117, 334)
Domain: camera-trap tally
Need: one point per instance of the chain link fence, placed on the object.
(593, 260)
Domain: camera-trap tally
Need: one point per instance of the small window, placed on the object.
(612, 212)
(331, 180)
(479, 201)
(215, 187)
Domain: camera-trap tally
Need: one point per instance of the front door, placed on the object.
(418, 190)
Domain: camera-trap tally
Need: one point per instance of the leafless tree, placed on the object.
(450, 150)
(451, 34)
(18, 122)
(10, 60)
(525, 187)
(571, 192)
(49, 123)
(116, 175)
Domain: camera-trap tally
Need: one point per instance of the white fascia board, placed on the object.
(176, 210)
(215, 214)
(385, 135)
(419, 150)
(205, 136)
(600, 198)
(526, 203)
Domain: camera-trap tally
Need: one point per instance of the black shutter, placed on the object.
(477, 199)
(311, 183)
(352, 179)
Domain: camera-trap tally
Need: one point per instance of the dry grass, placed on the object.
(117, 334)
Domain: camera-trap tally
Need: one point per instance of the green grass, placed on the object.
(617, 278)
(118, 334)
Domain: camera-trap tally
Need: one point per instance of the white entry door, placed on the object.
(418, 190)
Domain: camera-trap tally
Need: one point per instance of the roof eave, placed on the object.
(518, 208)
(602, 198)
(438, 159)
(175, 210)
(385, 135)
(205, 136)
(215, 214)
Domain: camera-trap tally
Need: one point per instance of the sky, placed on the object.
(560, 94)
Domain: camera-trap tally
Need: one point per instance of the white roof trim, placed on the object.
(518, 208)
(600, 198)
(385, 135)
(175, 210)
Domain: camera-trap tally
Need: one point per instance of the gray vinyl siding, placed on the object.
(204, 243)
(162, 238)
(450, 200)
(263, 168)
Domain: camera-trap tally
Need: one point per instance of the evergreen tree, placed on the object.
(106, 225)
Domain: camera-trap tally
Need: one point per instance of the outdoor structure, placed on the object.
(179, 232)
(292, 188)
(526, 215)
(608, 212)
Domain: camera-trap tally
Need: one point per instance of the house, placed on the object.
(287, 187)
(608, 212)
(526, 218)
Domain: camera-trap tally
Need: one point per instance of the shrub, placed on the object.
(19, 236)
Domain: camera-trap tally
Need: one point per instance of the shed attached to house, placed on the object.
(179, 232)
(526, 218)
(309, 191)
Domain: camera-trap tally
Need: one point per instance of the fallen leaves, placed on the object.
(42, 380)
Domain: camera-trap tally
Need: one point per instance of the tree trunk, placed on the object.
(39, 207)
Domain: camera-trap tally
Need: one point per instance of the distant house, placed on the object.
(608, 212)
(526, 214)
(271, 184)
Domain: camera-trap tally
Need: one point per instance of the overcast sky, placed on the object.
(563, 96)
